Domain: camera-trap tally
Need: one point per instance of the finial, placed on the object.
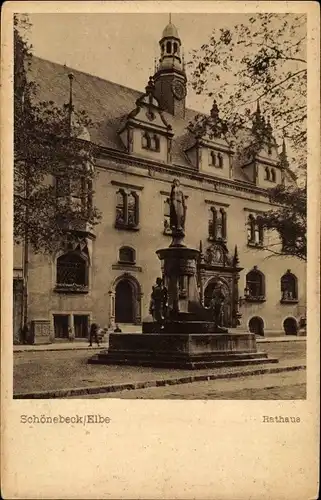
(70, 105)
(258, 110)
(236, 257)
(201, 247)
(170, 18)
(215, 111)
(150, 86)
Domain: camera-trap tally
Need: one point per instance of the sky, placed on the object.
(120, 47)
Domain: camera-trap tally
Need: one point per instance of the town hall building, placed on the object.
(145, 140)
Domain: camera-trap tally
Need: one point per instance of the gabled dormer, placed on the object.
(261, 158)
(145, 131)
(211, 153)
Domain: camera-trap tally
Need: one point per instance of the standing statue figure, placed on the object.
(217, 303)
(158, 302)
(177, 208)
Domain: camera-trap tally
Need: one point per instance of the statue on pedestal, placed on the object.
(177, 208)
(158, 302)
(217, 303)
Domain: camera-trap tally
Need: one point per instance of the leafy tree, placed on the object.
(53, 166)
(262, 60)
(289, 220)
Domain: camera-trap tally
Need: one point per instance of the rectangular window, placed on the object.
(127, 210)
(166, 215)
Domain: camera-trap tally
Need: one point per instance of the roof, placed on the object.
(107, 104)
(170, 31)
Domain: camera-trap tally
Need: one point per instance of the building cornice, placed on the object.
(177, 170)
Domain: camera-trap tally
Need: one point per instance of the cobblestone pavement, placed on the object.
(286, 385)
(40, 371)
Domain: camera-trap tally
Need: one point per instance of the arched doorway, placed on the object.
(256, 325)
(208, 293)
(290, 326)
(124, 302)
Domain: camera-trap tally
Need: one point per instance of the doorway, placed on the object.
(81, 326)
(124, 302)
(61, 326)
(290, 326)
(208, 293)
(256, 325)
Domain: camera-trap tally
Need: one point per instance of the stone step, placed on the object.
(182, 364)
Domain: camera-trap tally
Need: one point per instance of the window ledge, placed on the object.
(255, 299)
(217, 240)
(126, 227)
(65, 288)
(126, 266)
(289, 301)
(254, 245)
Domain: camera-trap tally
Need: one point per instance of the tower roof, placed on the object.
(170, 31)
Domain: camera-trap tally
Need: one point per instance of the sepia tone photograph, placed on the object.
(160, 206)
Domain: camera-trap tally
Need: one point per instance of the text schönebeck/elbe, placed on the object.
(94, 418)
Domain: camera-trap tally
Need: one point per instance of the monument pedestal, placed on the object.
(182, 351)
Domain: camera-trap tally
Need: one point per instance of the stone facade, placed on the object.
(135, 176)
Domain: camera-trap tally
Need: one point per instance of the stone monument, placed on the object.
(182, 333)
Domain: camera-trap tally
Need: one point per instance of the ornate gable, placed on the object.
(146, 131)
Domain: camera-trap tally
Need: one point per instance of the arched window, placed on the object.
(289, 287)
(127, 255)
(163, 48)
(256, 325)
(168, 47)
(175, 47)
(255, 285)
(72, 270)
(220, 160)
(273, 175)
(267, 174)
(290, 326)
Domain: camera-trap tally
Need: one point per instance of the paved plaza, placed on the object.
(61, 370)
(285, 385)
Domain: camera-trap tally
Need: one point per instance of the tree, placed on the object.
(262, 58)
(53, 166)
(289, 220)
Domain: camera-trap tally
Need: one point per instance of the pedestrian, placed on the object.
(25, 333)
(117, 329)
(93, 334)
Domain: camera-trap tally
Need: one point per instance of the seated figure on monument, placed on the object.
(217, 304)
(177, 208)
(158, 302)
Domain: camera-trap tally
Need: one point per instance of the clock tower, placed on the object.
(170, 77)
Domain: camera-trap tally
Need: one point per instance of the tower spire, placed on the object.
(170, 76)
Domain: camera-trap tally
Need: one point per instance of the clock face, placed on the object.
(178, 89)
